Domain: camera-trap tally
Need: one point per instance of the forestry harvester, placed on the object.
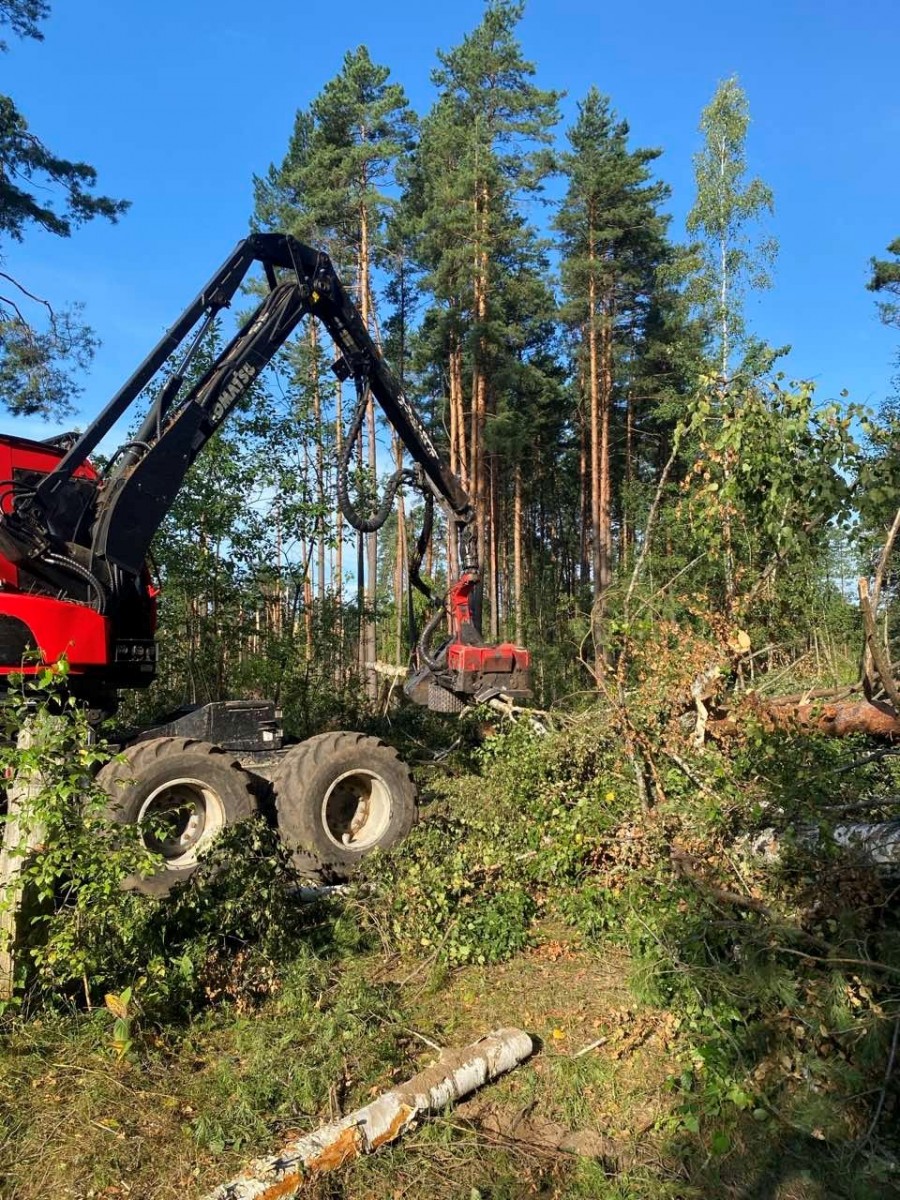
(75, 584)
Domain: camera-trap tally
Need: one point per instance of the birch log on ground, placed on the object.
(456, 1074)
(22, 833)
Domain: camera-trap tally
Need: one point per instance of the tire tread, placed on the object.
(304, 761)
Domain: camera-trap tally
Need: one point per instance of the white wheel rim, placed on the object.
(191, 814)
(356, 811)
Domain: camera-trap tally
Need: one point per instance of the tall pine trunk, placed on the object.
(517, 556)
(369, 638)
(320, 463)
(493, 540)
(400, 563)
(597, 613)
(606, 403)
(477, 467)
(338, 579)
(584, 479)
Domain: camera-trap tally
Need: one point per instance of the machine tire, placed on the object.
(338, 796)
(205, 777)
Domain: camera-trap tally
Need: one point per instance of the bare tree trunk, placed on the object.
(400, 563)
(338, 580)
(477, 469)
(308, 610)
(457, 1073)
(626, 535)
(493, 573)
(22, 834)
(458, 458)
(517, 557)
(369, 638)
(584, 481)
(597, 614)
(320, 462)
(606, 396)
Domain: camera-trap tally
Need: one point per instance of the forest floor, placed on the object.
(188, 1110)
(709, 1020)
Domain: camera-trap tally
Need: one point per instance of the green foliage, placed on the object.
(554, 830)
(39, 355)
(726, 209)
(38, 365)
(220, 937)
(72, 881)
(24, 17)
(468, 885)
(25, 157)
(772, 468)
(341, 159)
(487, 82)
(886, 278)
(878, 478)
(613, 231)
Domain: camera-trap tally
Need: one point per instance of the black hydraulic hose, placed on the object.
(374, 521)
(76, 569)
(423, 646)
(143, 447)
(414, 577)
(421, 546)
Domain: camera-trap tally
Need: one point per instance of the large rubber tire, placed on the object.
(340, 796)
(196, 783)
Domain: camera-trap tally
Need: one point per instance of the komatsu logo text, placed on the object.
(239, 382)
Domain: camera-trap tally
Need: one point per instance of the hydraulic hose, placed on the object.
(80, 572)
(373, 522)
(423, 646)
(421, 546)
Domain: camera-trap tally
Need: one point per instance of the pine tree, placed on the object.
(333, 189)
(483, 149)
(613, 240)
(362, 126)
(38, 354)
(886, 278)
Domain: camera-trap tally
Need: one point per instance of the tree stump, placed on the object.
(22, 833)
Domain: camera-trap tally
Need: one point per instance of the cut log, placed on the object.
(456, 1074)
(838, 718)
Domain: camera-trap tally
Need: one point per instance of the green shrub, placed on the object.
(222, 936)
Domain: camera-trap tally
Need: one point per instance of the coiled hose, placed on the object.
(374, 521)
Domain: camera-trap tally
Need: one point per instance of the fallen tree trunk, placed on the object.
(456, 1074)
(840, 719)
(837, 718)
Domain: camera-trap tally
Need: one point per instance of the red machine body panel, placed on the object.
(58, 628)
(506, 657)
(30, 621)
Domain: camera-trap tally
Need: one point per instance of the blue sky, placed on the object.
(179, 102)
